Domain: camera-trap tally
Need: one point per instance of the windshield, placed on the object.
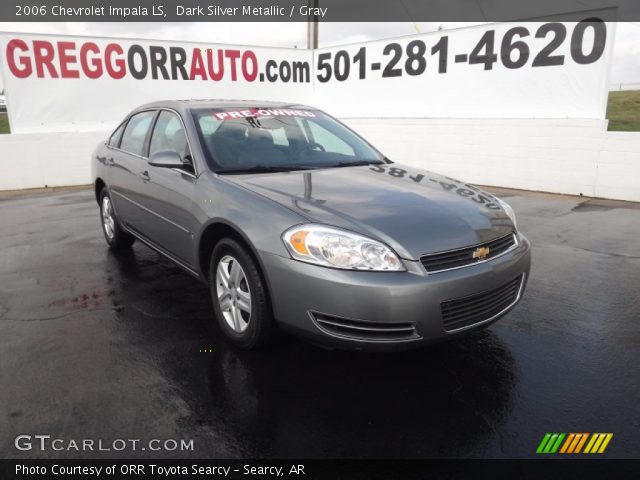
(278, 139)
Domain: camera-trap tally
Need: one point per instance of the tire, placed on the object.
(240, 299)
(113, 233)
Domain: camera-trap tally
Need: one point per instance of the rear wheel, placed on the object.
(240, 300)
(113, 234)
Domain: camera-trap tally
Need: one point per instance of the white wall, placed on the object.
(559, 156)
(618, 167)
(624, 86)
(33, 160)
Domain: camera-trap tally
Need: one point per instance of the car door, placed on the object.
(127, 164)
(168, 193)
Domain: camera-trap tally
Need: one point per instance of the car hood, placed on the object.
(413, 211)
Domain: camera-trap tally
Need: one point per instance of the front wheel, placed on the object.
(240, 299)
(113, 234)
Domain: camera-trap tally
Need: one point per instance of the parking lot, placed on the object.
(98, 345)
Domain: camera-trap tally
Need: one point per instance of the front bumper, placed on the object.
(302, 294)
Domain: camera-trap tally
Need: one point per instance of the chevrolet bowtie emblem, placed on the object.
(481, 252)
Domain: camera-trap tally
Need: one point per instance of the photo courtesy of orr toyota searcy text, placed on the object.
(161, 470)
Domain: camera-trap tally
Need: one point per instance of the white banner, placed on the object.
(62, 83)
(506, 70)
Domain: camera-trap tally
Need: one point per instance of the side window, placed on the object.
(330, 142)
(135, 132)
(114, 141)
(168, 134)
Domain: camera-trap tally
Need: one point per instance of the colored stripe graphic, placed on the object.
(591, 442)
(583, 439)
(573, 443)
(550, 443)
(543, 443)
(556, 445)
(567, 442)
(598, 443)
(605, 443)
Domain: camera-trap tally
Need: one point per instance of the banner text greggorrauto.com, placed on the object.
(68, 59)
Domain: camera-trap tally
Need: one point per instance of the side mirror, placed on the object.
(167, 159)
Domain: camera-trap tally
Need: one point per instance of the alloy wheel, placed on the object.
(108, 221)
(234, 295)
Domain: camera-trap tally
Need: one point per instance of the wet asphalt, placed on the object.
(98, 345)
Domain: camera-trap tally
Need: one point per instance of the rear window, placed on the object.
(270, 137)
(114, 140)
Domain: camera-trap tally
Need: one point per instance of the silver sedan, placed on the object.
(294, 221)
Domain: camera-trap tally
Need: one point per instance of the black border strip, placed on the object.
(297, 10)
(339, 469)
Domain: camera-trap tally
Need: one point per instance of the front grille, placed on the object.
(463, 257)
(364, 330)
(480, 307)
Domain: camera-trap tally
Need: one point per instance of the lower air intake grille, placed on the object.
(480, 307)
(364, 330)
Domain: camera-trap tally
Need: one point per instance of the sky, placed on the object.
(625, 65)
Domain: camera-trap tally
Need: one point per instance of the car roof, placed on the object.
(183, 105)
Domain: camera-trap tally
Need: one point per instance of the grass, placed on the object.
(623, 111)
(4, 123)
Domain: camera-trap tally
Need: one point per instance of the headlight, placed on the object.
(509, 211)
(337, 248)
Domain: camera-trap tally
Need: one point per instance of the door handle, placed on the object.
(145, 176)
(105, 160)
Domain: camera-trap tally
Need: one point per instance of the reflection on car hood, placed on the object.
(413, 211)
